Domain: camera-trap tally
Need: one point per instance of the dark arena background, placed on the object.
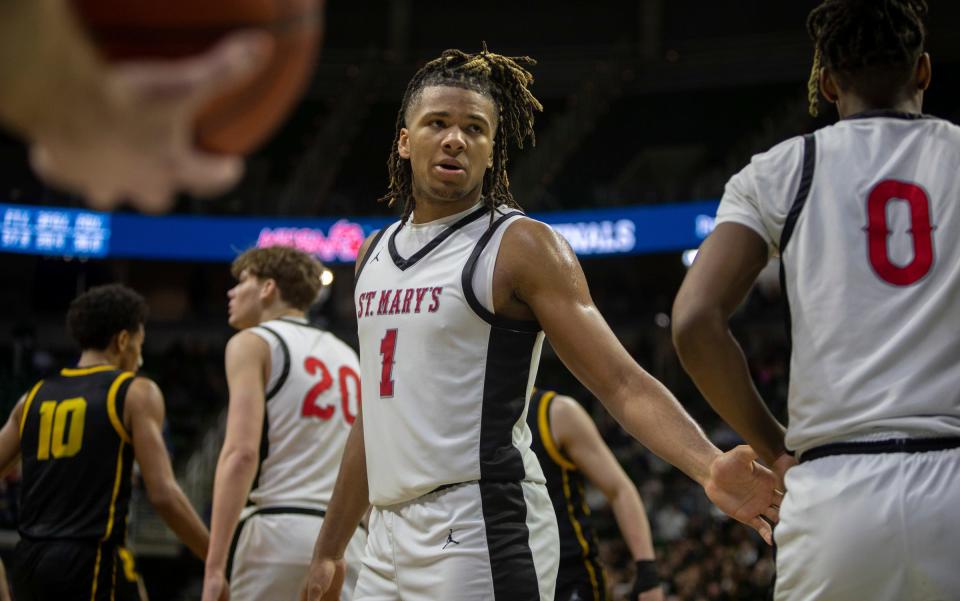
(649, 106)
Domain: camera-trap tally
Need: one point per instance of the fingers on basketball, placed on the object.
(234, 60)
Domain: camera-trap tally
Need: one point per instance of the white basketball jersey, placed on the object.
(872, 273)
(447, 381)
(312, 397)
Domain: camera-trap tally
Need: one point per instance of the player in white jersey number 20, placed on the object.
(452, 305)
(294, 393)
(864, 215)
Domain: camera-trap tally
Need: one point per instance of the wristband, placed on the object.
(646, 577)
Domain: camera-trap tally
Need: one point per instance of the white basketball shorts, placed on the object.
(882, 527)
(272, 553)
(477, 541)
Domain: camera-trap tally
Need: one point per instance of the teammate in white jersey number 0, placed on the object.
(870, 208)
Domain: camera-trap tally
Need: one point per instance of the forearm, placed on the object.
(350, 499)
(631, 517)
(45, 61)
(651, 414)
(177, 512)
(234, 477)
(716, 363)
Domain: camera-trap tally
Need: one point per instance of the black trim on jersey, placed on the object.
(508, 541)
(302, 324)
(877, 447)
(889, 114)
(466, 281)
(231, 554)
(403, 264)
(366, 256)
(799, 201)
(286, 363)
(504, 399)
(265, 433)
(806, 181)
(264, 452)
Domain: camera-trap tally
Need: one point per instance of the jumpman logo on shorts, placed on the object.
(450, 540)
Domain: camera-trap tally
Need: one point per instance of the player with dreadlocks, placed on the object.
(505, 81)
(453, 301)
(863, 215)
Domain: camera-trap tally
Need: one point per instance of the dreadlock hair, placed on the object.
(872, 45)
(503, 79)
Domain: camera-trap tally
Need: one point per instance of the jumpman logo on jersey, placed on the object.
(450, 540)
(376, 257)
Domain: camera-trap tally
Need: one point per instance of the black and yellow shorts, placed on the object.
(51, 570)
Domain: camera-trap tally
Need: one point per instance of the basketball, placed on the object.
(240, 119)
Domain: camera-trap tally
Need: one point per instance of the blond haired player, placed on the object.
(294, 393)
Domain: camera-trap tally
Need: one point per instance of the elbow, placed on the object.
(240, 459)
(162, 496)
(695, 328)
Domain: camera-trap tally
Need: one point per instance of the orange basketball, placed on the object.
(240, 119)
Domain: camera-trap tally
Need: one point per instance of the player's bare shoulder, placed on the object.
(144, 401)
(143, 391)
(530, 247)
(567, 418)
(245, 342)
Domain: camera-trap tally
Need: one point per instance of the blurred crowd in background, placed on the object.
(702, 555)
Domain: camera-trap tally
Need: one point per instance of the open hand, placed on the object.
(745, 490)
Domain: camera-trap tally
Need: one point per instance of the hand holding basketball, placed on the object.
(136, 141)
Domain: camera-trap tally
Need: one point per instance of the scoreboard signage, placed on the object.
(80, 233)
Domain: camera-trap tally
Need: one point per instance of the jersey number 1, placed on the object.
(878, 232)
(55, 439)
(388, 347)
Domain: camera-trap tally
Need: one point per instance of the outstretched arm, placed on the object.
(541, 272)
(577, 437)
(726, 267)
(144, 413)
(247, 362)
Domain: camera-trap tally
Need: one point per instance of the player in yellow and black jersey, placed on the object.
(77, 434)
(571, 450)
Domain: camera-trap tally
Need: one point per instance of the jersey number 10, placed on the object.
(56, 438)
